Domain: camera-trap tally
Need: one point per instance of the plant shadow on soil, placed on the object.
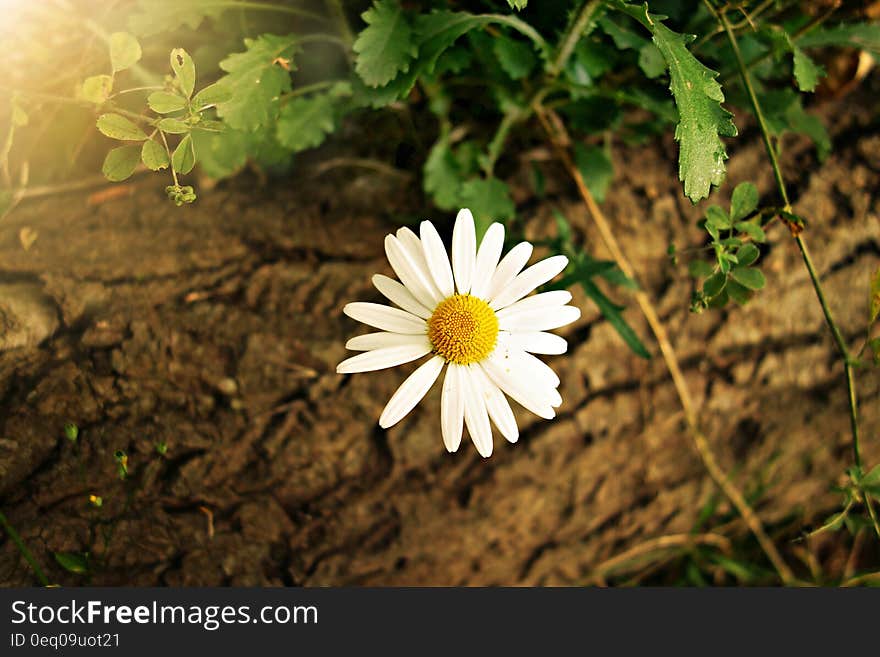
(214, 330)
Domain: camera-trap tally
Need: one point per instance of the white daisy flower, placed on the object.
(473, 316)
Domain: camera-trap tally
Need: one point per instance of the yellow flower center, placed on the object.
(463, 329)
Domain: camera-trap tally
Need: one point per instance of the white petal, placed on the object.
(408, 272)
(528, 395)
(536, 275)
(411, 392)
(414, 250)
(399, 295)
(452, 408)
(540, 371)
(437, 259)
(552, 299)
(382, 340)
(464, 250)
(380, 359)
(509, 267)
(487, 259)
(542, 319)
(536, 342)
(385, 317)
(475, 416)
(497, 406)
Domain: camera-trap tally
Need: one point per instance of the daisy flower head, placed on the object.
(473, 316)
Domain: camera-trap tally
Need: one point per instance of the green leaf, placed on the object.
(752, 229)
(596, 168)
(441, 176)
(748, 277)
(747, 254)
(183, 159)
(623, 37)
(223, 155)
(73, 562)
(872, 478)
(865, 36)
(255, 80)
(713, 285)
(174, 126)
(739, 293)
(125, 51)
(806, 71)
(154, 156)
(875, 295)
(489, 200)
(717, 218)
(165, 102)
(306, 122)
(438, 30)
(612, 313)
(170, 15)
(651, 61)
(518, 4)
(516, 58)
(743, 201)
(698, 96)
(386, 46)
(121, 162)
(700, 269)
(117, 126)
(96, 89)
(212, 95)
(184, 70)
(784, 112)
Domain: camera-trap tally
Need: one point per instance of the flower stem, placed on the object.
(801, 244)
(25, 552)
(573, 34)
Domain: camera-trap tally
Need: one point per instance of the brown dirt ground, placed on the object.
(216, 328)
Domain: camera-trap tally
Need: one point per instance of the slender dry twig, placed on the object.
(558, 137)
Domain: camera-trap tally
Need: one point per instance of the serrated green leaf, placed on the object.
(121, 162)
(157, 16)
(698, 97)
(518, 4)
(386, 46)
(183, 159)
(165, 102)
(125, 51)
(73, 562)
(223, 155)
(749, 277)
(516, 58)
(865, 36)
(255, 80)
(743, 201)
(117, 126)
(713, 285)
(747, 254)
(96, 89)
(442, 177)
(438, 30)
(154, 156)
(174, 126)
(596, 169)
(489, 200)
(806, 71)
(184, 71)
(212, 95)
(306, 122)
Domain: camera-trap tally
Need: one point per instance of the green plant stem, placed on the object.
(309, 88)
(573, 34)
(805, 253)
(335, 6)
(23, 549)
(520, 26)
